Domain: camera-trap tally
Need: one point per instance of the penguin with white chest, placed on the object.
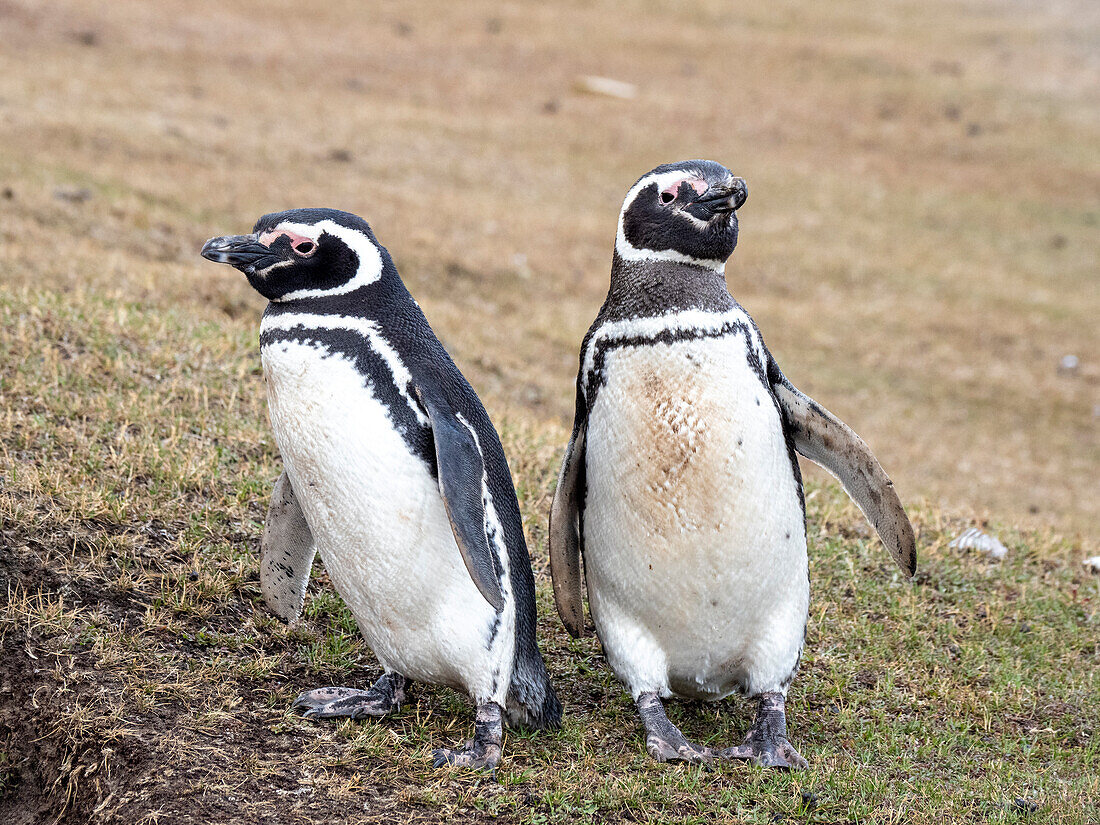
(680, 487)
(395, 475)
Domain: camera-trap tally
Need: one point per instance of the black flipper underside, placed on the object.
(565, 537)
(461, 470)
(287, 553)
(828, 441)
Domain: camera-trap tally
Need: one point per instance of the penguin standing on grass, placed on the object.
(680, 486)
(394, 473)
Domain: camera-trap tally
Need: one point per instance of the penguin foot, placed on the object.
(385, 696)
(776, 754)
(664, 741)
(766, 742)
(470, 756)
(678, 751)
(482, 753)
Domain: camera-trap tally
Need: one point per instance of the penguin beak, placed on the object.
(235, 250)
(725, 197)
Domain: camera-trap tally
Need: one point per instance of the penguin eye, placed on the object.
(673, 190)
(304, 247)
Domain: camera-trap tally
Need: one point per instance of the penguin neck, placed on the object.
(641, 289)
(381, 300)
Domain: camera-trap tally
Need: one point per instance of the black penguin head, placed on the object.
(303, 253)
(682, 212)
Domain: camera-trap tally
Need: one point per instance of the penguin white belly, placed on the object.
(695, 544)
(380, 525)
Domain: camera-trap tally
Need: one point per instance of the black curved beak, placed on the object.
(235, 250)
(723, 198)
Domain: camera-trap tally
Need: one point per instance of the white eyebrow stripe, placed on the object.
(692, 179)
(628, 252)
(370, 259)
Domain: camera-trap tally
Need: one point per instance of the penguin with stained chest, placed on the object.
(395, 475)
(680, 488)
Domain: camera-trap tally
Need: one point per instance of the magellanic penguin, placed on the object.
(395, 475)
(680, 486)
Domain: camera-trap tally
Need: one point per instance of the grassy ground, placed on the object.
(918, 248)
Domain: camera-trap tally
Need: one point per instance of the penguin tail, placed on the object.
(532, 702)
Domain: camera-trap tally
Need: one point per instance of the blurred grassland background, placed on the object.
(919, 248)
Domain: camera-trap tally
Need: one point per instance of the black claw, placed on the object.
(440, 758)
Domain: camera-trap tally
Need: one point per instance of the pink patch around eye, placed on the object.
(698, 184)
(268, 238)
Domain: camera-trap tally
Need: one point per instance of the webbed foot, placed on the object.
(663, 740)
(483, 751)
(766, 742)
(384, 696)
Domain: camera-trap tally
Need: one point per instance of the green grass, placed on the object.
(134, 486)
(918, 248)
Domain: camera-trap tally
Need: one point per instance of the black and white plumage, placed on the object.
(395, 474)
(680, 487)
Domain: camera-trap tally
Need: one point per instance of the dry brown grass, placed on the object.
(919, 248)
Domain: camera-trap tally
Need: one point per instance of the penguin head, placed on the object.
(303, 253)
(682, 212)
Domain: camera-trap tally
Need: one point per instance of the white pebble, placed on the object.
(975, 539)
(606, 86)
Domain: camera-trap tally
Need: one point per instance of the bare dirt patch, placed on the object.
(81, 745)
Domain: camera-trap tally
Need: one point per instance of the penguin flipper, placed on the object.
(565, 536)
(825, 439)
(287, 553)
(461, 471)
